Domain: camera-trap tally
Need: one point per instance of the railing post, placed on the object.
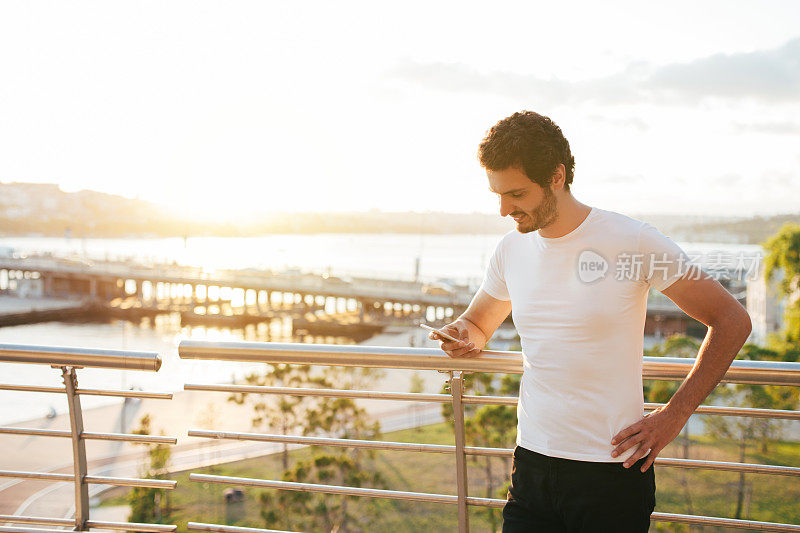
(456, 391)
(78, 448)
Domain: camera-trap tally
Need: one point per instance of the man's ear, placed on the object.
(558, 177)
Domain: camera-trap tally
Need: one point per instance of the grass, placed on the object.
(771, 498)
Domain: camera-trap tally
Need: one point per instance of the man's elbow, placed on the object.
(744, 323)
(736, 322)
(747, 324)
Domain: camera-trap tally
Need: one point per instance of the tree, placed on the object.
(338, 417)
(151, 505)
(342, 417)
(661, 391)
(750, 431)
(311, 511)
(290, 413)
(783, 253)
(492, 426)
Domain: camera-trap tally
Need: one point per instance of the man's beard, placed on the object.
(540, 217)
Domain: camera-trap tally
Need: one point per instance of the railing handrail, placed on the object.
(343, 355)
(674, 368)
(741, 371)
(68, 359)
(670, 368)
(79, 357)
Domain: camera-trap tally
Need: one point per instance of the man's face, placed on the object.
(531, 206)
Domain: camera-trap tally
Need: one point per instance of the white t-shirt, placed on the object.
(579, 304)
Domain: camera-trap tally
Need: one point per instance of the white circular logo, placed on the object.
(591, 266)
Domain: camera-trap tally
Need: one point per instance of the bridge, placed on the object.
(318, 303)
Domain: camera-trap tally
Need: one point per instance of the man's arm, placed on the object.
(728, 328)
(475, 326)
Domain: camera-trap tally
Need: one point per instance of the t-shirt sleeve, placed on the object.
(494, 283)
(663, 261)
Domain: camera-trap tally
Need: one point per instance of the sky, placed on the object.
(240, 108)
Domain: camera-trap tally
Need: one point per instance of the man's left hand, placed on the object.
(653, 432)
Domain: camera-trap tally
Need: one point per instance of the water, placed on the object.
(459, 257)
(162, 338)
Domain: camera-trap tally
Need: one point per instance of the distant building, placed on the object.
(765, 304)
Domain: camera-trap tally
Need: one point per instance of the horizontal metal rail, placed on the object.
(722, 522)
(749, 412)
(167, 484)
(98, 480)
(701, 410)
(35, 432)
(33, 388)
(91, 392)
(342, 355)
(740, 371)
(334, 489)
(469, 399)
(151, 395)
(131, 526)
(484, 502)
(13, 529)
(749, 468)
(36, 520)
(329, 393)
(475, 450)
(324, 441)
(46, 476)
(79, 357)
(672, 368)
(120, 526)
(217, 528)
(481, 502)
(125, 437)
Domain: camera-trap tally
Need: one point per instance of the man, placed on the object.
(576, 279)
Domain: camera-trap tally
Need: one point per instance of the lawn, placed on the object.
(768, 498)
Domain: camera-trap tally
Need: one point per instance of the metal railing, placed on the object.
(749, 372)
(68, 360)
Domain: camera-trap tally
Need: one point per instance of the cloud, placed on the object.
(460, 78)
(774, 128)
(457, 77)
(768, 75)
(771, 75)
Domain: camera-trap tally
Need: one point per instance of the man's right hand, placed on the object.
(463, 348)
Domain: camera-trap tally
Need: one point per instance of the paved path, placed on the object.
(187, 410)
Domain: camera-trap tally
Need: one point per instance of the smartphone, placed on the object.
(440, 333)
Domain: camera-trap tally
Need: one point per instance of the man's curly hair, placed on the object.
(529, 141)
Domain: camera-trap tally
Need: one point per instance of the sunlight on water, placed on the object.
(163, 339)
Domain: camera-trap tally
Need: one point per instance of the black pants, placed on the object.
(550, 494)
